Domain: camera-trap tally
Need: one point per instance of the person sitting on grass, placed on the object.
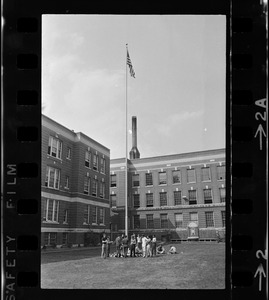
(138, 251)
(172, 250)
(160, 250)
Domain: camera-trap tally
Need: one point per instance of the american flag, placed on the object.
(129, 63)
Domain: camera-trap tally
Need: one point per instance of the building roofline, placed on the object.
(187, 154)
(76, 134)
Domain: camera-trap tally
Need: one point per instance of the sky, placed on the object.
(178, 94)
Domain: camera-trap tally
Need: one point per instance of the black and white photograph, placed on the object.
(133, 158)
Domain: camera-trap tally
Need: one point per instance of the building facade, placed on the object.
(167, 194)
(74, 188)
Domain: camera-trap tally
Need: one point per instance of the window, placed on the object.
(65, 216)
(88, 159)
(86, 219)
(113, 180)
(51, 210)
(221, 172)
(149, 199)
(162, 177)
(149, 180)
(113, 198)
(102, 215)
(135, 179)
(206, 174)
(190, 175)
(102, 189)
(192, 197)
(94, 214)
(136, 220)
(223, 217)
(194, 217)
(136, 198)
(65, 238)
(149, 221)
(52, 178)
(50, 238)
(164, 221)
(66, 183)
(208, 196)
(179, 220)
(163, 198)
(222, 194)
(68, 153)
(86, 188)
(177, 197)
(95, 162)
(209, 220)
(176, 176)
(55, 147)
(103, 165)
(94, 187)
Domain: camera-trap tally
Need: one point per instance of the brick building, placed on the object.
(74, 188)
(168, 193)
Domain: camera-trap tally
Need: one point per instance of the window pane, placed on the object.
(223, 216)
(222, 194)
(136, 221)
(176, 177)
(163, 198)
(135, 179)
(113, 200)
(221, 172)
(164, 221)
(149, 179)
(149, 219)
(179, 220)
(206, 174)
(192, 197)
(191, 175)
(136, 198)
(113, 180)
(162, 177)
(208, 196)
(194, 217)
(149, 199)
(177, 198)
(209, 219)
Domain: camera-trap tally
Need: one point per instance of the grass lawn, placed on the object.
(196, 266)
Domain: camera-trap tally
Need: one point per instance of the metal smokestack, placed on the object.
(134, 153)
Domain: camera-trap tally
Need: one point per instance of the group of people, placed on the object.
(140, 245)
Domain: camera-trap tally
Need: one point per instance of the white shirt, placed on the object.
(144, 241)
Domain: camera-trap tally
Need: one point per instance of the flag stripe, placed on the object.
(129, 63)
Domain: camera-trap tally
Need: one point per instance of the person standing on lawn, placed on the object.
(125, 245)
(144, 245)
(149, 245)
(104, 246)
(132, 245)
(139, 242)
(153, 241)
(109, 242)
(118, 245)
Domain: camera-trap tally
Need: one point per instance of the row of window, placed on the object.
(176, 177)
(178, 219)
(91, 185)
(177, 195)
(55, 148)
(51, 213)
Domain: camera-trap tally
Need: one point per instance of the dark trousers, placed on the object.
(118, 251)
(132, 250)
(125, 250)
(153, 248)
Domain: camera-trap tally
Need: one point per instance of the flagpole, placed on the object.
(126, 154)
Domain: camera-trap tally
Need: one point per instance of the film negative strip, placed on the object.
(246, 144)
